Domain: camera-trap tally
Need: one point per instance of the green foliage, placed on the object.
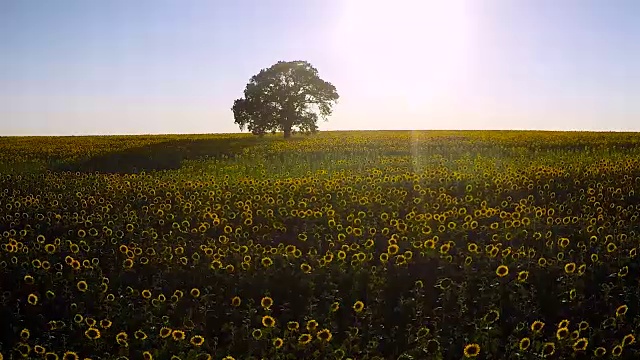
(288, 96)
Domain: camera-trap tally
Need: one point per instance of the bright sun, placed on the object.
(420, 47)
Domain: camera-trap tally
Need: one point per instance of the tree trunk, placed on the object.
(287, 133)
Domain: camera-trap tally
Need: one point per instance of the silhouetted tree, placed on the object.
(288, 96)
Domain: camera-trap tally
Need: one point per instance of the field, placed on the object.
(343, 245)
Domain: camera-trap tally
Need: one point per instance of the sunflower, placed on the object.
(570, 268)
(146, 294)
(609, 322)
(304, 339)
(433, 346)
(312, 325)
(548, 349)
(197, 340)
(50, 248)
(624, 271)
(77, 318)
(324, 335)
(122, 336)
(358, 306)
(502, 271)
(32, 299)
(195, 292)
(266, 302)
(236, 301)
(293, 325)
(48, 356)
(90, 321)
(228, 357)
(92, 333)
(177, 335)
(70, 355)
(147, 355)
(334, 306)
(524, 343)
(338, 354)
(562, 333)
(105, 324)
(599, 351)
(616, 351)
(580, 344)
(268, 321)
(583, 325)
(24, 334)
(628, 340)
(563, 323)
(492, 316)
(422, 332)
(266, 261)
(523, 276)
(165, 332)
(127, 264)
(24, 349)
(278, 342)
(537, 326)
(621, 310)
(471, 350)
(140, 335)
(306, 268)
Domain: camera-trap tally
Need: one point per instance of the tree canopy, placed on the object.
(288, 96)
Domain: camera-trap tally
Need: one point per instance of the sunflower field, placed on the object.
(344, 245)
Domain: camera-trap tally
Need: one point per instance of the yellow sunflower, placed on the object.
(502, 271)
(537, 326)
(324, 335)
(268, 321)
(471, 350)
(177, 335)
(304, 339)
(197, 340)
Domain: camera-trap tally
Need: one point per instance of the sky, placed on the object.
(71, 67)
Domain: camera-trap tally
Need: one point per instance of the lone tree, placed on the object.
(288, 96)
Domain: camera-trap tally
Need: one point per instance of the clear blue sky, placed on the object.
(159, 66)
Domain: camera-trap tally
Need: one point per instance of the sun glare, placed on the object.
(422, 48)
